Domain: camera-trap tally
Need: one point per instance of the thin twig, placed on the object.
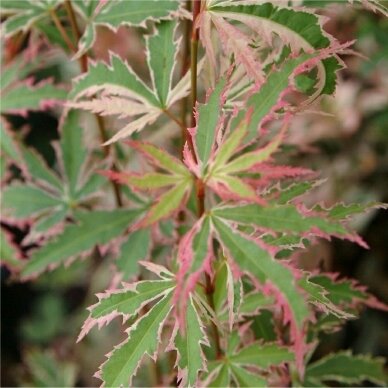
(175, 119)
(62, 30)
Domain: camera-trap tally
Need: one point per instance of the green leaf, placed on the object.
(295, 190)
(73, 150)
(94, 228)
(285, 218)
(301, 30)
(340, 292)
(161, 60)
(119, 75)
(342, 211)
(250, 159)
(25, 201)
(7, 145)
(208, 117)
(39, 171)
(137, 247)
(24, 14)
(247, 379)
(262, 356)
(318, 296)
(254, 301)
(162, 159)
(126, 302)
(346, 368)
(191, 359)
(222, 378)
(228, 148)
(23, 97)
(167, 203)
(266, 98)
(135, 12)
(47, 371)
(252, 258)
(46, 222)
(151, 180)
(143, 338)
(263, 326)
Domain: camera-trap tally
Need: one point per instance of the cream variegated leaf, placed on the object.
(116, 90)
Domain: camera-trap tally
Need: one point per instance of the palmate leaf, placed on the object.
(121, 92)
(143, 338)
(48, 197)
(23, 14)
(134, 13)
(255, 355)
(222, 174)
(296, 28)
(94, 228)
(177, 176)
(345, 368)
(254, 259)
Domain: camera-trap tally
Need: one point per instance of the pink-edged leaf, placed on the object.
(229, 290)
(250, 159)
(286, 218)
(190, 357)
(228, 148)
(346, 293)
(318, 296)
(238, 43)
(148, 181)
(209, 119)
(262, 356)
(143, 338)
(231, 187)
(126, 302)
(194, 255)
(26, 97)
(167, 204)
(160, 158)
(279, 280)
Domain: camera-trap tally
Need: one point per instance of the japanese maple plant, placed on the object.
(216, 223)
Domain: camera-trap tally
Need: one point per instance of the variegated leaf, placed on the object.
(94, 228)
(190, 357)
(143, 338)
(134, 13)
(345, 368)
(118, 88)
(126, 302)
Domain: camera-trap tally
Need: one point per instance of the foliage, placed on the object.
(219, 224)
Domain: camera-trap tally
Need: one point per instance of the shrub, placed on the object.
(217, 222)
